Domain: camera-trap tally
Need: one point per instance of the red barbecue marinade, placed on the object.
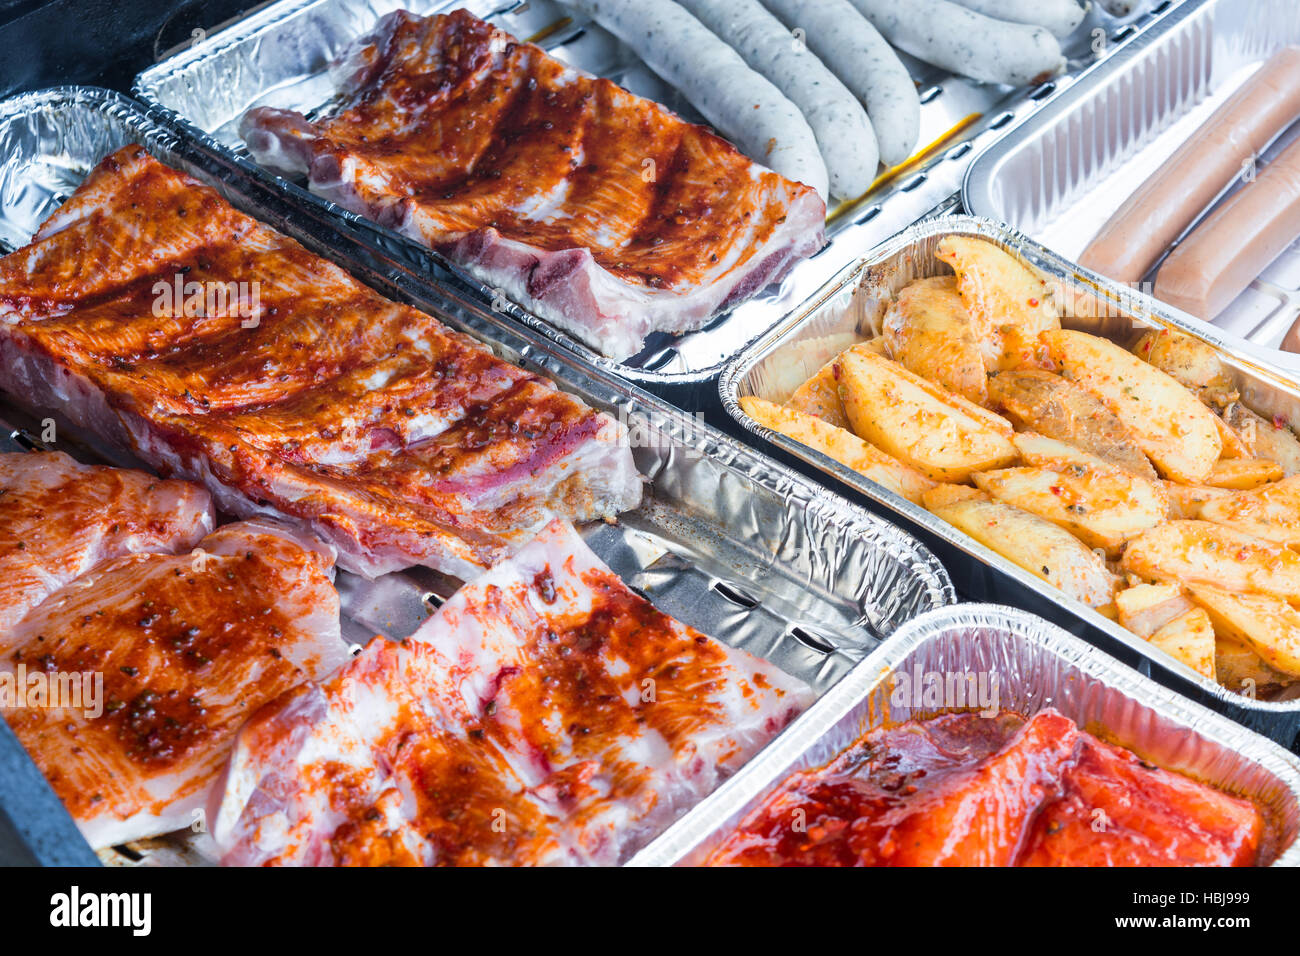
(470, 125)
(967, 790)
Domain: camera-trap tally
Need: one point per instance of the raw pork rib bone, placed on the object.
(600, 211)
(187, 646)
(545, 714)
(390, 436)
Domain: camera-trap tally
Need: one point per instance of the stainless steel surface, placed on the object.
(278, 57)
(1080, 157)
(851, 306)
(727, 541)
(1036, 665)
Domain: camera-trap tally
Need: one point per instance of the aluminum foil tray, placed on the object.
(1071, 166)
(727, 541)
(855, 301)
(278, 56)
(1036, 665)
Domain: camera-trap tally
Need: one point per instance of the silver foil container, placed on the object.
(1036, 665)
(726, 540)
(1080, 157)
(278, 57)
(853, 304)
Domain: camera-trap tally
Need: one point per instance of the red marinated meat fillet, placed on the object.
(545, 715)
(388, 435)
(966, 790)
(1118, 811)
(598, 210)
(955, 791)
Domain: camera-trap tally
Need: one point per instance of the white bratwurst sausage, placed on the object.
(965, 42)
(838, 120)
(1059, 16)
(1120, 8)
(740, 103)
(866, 63)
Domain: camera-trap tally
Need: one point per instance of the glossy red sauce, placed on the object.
(185, 656)
(595, 676)
(371, 403)
(480, 131)
(962, 789)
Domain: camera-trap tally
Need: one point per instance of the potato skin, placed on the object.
(1190, 639)
(1175, 430)
(928, 331)
(1187, 501)
(820, 395)
(1055, 407)
(1237, 667)
(1032, 543)
(1188, 361)
(1265, 439)
(1243, 474)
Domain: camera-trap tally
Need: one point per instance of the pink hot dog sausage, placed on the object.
(1154, 216)
(1236, 242)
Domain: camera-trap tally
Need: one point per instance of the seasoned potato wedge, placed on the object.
(1189, 638)
(1055, 407)
(819, 396)
(1102, 505)
(940, 434)
(943, 494)
(791, 366)
(840, 444)
(1269, 626)
(1240, 669)
(1266, 439)
(1009, 303)
(1175, 430)
(1234, 446)
(1038, 546)
(1186, 501)
(1271, 512)
(1190, 362)
(1037, 450)
(1145, 608)
(1242, 474)
(1204, 553)
(928, 330)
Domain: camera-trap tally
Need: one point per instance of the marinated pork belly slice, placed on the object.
(60, 518)
(545, 714)
(600, 211)
(187, 647)
(385, 433)
(366, 769)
